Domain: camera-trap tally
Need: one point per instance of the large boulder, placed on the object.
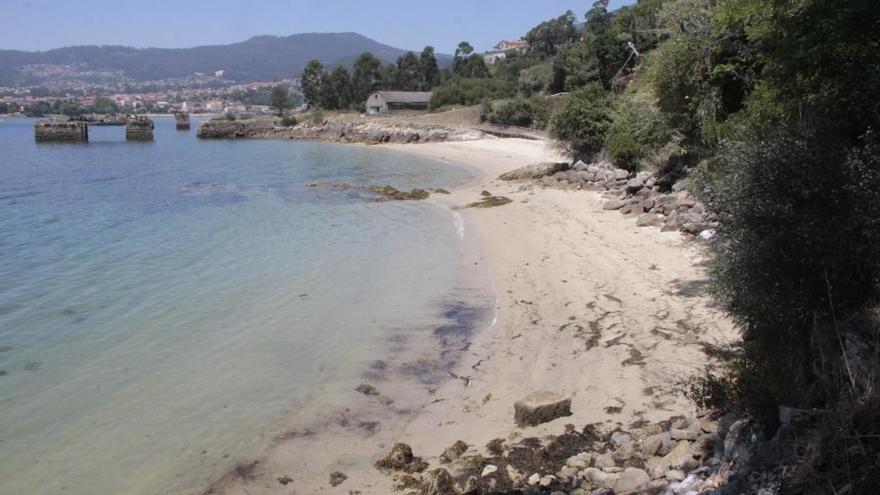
(534, 171)
(541, 407)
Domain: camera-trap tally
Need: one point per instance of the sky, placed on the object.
(409, 24)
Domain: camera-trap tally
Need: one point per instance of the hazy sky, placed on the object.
(409, 24)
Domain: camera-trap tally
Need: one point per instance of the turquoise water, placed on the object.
(163, 305)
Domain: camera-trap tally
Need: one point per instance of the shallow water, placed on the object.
(165, 305)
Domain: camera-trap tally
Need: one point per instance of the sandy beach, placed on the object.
(588, 305)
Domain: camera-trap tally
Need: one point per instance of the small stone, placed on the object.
(541, 407)
(337, 478)
(577, 462)
(632, 209)
(485, 194)
(567, 473)
(648, 220)
(707, 234)
(619, 438)
(489, 469)
(547, 480)
(651, 445)
(285, 480)
(612, 204)
(534, 479)
(367, 389)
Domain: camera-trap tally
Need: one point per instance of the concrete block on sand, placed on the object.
(541, 407)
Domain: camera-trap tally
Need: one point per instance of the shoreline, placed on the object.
(587, 305)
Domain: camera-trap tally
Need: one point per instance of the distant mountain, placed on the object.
(257, 59)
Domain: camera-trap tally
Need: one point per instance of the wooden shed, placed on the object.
(380, 102)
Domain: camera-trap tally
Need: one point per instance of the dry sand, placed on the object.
(588, 305)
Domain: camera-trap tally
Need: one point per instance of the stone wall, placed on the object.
(140, 129)
(182, 120)
(77, 132)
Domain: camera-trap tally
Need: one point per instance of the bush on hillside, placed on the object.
(470, 91)
(625, 151)
(288, 120)
(518, 112)
(581, 124)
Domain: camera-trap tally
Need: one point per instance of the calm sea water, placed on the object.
(164, 304)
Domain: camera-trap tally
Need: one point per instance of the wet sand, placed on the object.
(588, 305)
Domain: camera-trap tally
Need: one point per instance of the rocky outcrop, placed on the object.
(333, 131)
(637, 195)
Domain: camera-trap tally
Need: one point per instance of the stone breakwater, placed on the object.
(334, 131)
(638, 195)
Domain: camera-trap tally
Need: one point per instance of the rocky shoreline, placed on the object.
(673, 457)
(650, 199)
(337, 131)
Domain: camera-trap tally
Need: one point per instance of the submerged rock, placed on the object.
(392, 193)
(489, 202)
(541, 407)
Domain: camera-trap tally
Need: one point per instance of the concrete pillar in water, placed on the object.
(71, 132)
(139, 129)
(182, 121)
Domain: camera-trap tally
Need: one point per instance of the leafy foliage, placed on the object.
(281, 99)
(581, 124)
(311, 80)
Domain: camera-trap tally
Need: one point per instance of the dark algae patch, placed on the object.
(489, 202)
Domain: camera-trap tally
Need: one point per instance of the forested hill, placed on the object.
(259, 58)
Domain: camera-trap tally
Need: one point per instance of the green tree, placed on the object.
(336, 90)
(467, 63)
(366, 77)
(429, 68)
(280, 99)
(581, 125)
(312, 78)
(408, 76)
(104, 106)
(547, 38)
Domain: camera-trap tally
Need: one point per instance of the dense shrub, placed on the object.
(798, 246)
(485, 109)
(288, 120)
(537, 78)
(639, 135)
(581, 124)
(469, 91)
(518, 112)
(625, 151)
